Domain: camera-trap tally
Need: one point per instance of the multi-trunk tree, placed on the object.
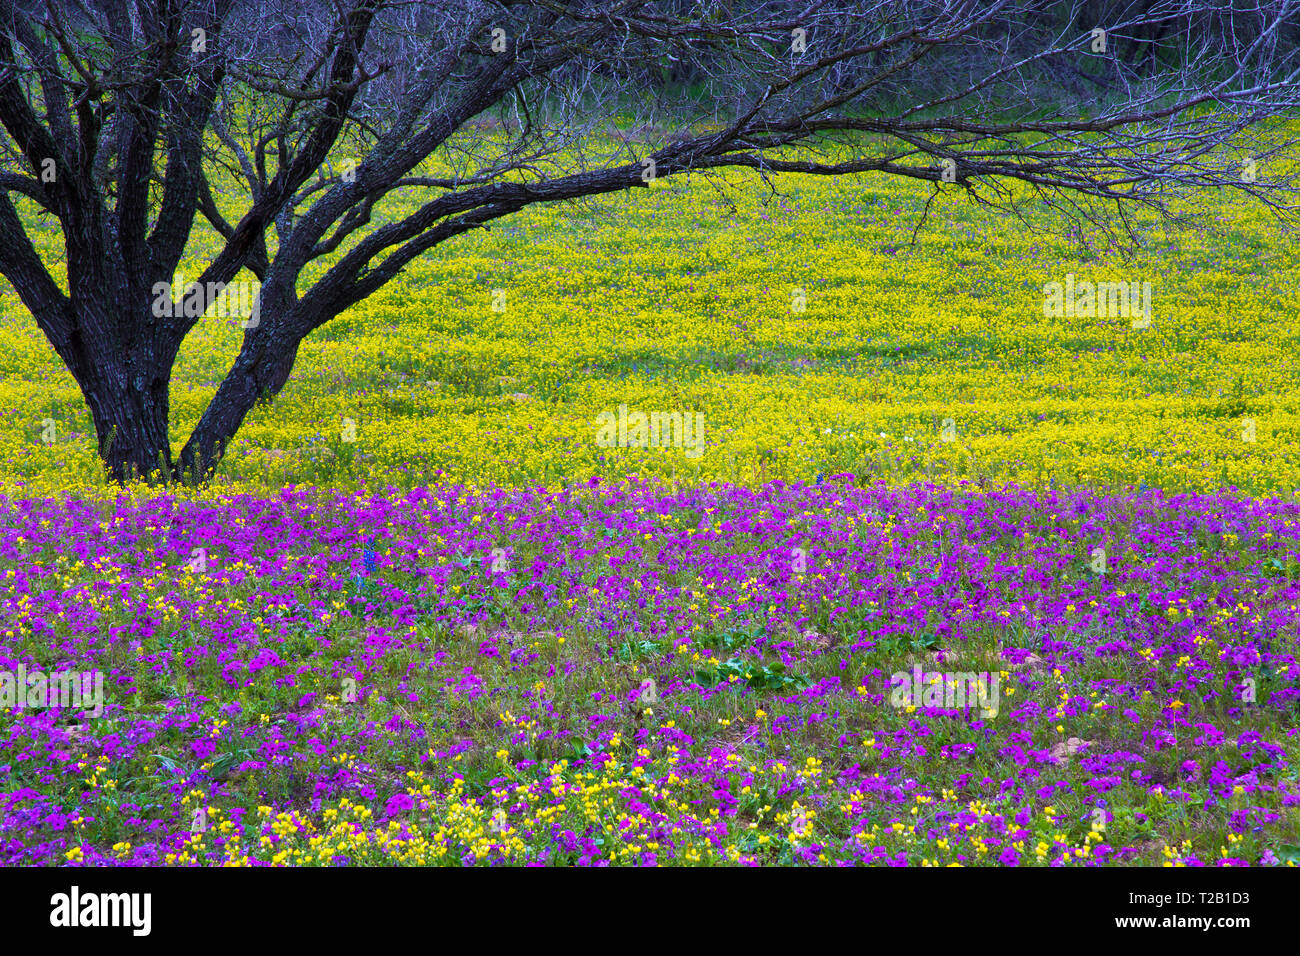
(125, 122)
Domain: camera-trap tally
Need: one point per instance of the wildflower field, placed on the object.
(427, 615)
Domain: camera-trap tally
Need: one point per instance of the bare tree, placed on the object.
(125, 120)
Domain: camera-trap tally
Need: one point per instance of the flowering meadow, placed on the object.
(425, 615)
(491, 359)
(633, 673)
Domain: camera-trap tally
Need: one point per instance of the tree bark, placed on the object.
(126, 382)
(131, 424)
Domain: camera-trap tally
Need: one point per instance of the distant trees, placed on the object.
(115, 114)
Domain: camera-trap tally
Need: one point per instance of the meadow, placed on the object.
(424, 616)
(683, 298)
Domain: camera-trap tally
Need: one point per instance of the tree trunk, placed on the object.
(260, 371)
(129, 407)
(131, 424)
(122, 362)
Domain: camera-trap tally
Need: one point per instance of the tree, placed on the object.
(118, 115)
